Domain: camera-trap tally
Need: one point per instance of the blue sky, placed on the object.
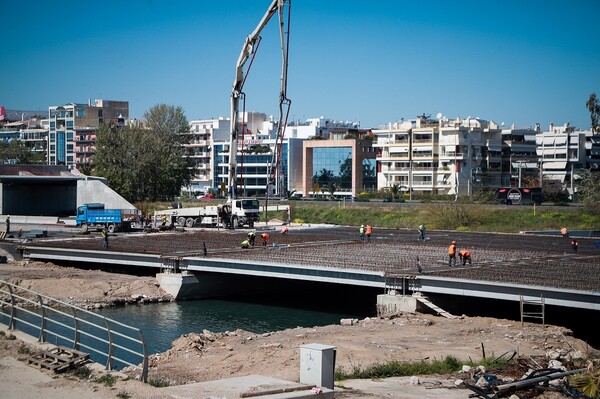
(521, 62)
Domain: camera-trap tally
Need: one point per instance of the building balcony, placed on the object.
(393, 157)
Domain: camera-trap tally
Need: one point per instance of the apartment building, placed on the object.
(439, 156)
(199, 145)
(564, 153)
(33, 132)
(317, 128)
(254, 166)
(72, 129)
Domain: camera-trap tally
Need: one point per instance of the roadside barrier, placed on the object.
(61, 323)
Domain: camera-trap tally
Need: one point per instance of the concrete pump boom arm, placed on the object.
(249, 50)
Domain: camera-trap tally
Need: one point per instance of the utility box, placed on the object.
(317, 365)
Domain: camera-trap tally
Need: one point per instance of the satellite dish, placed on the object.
(439, 115)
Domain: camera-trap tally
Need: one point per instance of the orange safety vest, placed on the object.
(452, 249)
(465, 252)
(369, 230)
(264, 236)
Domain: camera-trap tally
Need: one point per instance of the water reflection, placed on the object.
(162, 323)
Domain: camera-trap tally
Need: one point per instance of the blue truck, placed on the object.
(96, 216)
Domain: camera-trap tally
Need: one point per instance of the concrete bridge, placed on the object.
(203, 263)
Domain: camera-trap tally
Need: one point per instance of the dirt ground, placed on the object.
(206, 356)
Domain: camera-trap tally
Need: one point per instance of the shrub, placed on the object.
(106, 379)
(158, 382)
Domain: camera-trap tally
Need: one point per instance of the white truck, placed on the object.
(234, 214)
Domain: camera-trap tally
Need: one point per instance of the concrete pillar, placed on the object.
(178, 285)
(392, 304)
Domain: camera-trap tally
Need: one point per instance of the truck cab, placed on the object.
(240, 212)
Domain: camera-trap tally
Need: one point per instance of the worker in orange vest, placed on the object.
(265, 239)
(452, 254)
(465, 255)
(368, 232)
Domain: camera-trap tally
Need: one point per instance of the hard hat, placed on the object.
(362, 225)
(453, 242)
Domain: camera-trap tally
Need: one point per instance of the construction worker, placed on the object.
(104, 238)
(284, 231)
(452, 254)
(7, 222)
(245, 244)
(422, 229)
(251, 237)
(368, 231)
(164, 219)
(265, 239)
(564, 232)
(574, 245)
(361, 232)
(465, 255)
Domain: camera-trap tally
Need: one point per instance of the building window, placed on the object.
(333, 165)
(80, 112)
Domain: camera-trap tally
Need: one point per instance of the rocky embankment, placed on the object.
(89, 289)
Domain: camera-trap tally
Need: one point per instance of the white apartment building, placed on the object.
(439, 156)
(563, 155)
(200, 138)
(316, 127)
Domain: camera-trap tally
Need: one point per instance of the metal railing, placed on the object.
(105, 338)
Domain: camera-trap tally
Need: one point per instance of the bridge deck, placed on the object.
(545, 260)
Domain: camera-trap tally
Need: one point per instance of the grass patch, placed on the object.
(448, 365)
(106, 379)
(123, 395)
(83, 373)
(449, 216)
(158, 382)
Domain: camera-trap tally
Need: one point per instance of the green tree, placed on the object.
(323, 177)
(345, 177)
(395, 191)
(593, 105)
(331, 189)
(17, 152)
(589, 191)
(145, 163)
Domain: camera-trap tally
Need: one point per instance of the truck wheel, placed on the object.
(190, 222)
(181, 220)
(85, 227)
(112, 228)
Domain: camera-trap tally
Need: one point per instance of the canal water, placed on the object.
(162, 323)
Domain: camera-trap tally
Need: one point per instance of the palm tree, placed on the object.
(331, 188)
(289, 194)
(395, 191)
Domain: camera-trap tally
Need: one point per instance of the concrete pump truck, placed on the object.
(239, 212)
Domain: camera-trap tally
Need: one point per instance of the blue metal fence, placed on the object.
(53, 321)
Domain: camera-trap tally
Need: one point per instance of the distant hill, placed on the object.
(13, 115)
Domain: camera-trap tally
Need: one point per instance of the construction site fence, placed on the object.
(56, 322)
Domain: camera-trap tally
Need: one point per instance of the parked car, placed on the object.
(206, 197)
